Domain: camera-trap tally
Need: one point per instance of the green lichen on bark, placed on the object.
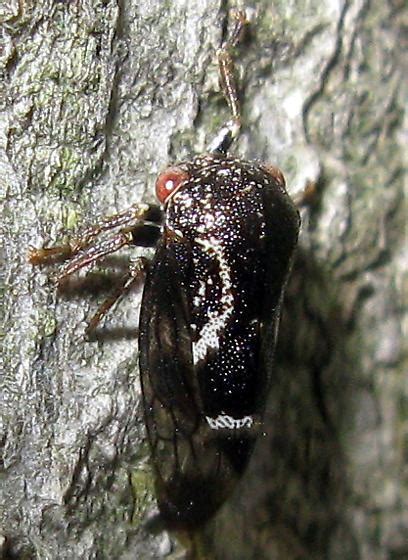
(61, 70)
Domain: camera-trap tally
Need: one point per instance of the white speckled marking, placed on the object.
(223, 172)
(223, 421)
(218, 319)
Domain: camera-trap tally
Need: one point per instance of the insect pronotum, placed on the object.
(225, 232)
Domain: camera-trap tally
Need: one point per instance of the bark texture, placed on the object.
(96, 97)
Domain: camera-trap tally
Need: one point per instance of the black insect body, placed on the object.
(207, 328)
(225, 236)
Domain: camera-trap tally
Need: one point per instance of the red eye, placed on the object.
(168, 181)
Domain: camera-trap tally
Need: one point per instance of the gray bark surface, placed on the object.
(98, 96)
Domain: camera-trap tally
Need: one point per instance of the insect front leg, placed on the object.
(87, 249)
(94, 253)
(230, 129)
(136, 213)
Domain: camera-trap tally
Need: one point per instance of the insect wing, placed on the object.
(192, 463)
(282, 229)
(165, 357)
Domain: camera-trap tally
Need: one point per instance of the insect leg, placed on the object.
(307, 196)
(95, 252)
(140, 235)
(136, 213)
(230, 130)
(136, 269)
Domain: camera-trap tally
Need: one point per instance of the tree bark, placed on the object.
(97, 97)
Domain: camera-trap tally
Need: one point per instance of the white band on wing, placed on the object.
(223, 421)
